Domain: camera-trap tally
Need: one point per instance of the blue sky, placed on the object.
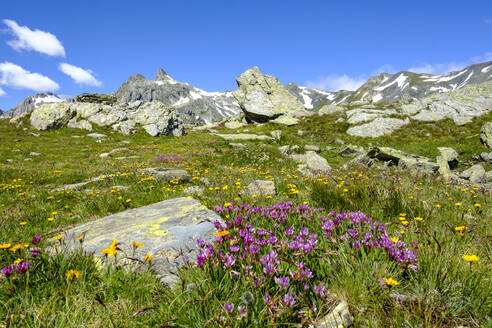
(95, 45)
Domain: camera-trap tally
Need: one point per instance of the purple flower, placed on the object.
(35, 252)
(36, 239)
(266, 298)
(228, 307)
(282, 282)
(22, 267)
(241, 309)
(230, 261)
(8, 271)
(321, 291)
(289, 299)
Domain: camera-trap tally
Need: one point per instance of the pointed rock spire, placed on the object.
(162, 75)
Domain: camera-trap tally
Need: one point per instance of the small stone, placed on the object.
(194, 190)
(486, 157)
(339, 317)
(33, 153)
(312, 148)
(27, 159)
(237, 145)
(286, 120)
(300, 132)
(350, 151)
(96, 135)
(261, 187)
(277, 134)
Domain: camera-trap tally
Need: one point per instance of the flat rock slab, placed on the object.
(168, 231)
(244, 136)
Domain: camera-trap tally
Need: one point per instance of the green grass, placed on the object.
(447, 291)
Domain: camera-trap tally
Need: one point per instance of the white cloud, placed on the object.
(2, 93)
(451, 66)
(37, 40)
(79, 75)
(335, 82)
(14, 76)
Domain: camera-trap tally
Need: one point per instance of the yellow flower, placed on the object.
(458, 204)
(477, 205)
(18, 261)
(227, 204)
(72, 274)
(221, 233)
(136, 245)
(128, 200)
(394, 239)
(402, 214)
(54, 213)
(470, 258)
(23, 223)
(391, 282)
(50, 219)
(112, 250)
(148, 258)
(4, 246)
(16, 247)
(405, 223)
(418, 218)
(402, 231)
(460, 228)
(120, 197)
(58, 237)
(438, 205)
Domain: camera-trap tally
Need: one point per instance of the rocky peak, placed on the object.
(162, 75)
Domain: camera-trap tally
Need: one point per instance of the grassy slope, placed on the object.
(450, 292)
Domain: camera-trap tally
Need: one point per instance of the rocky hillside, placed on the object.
(195, 106)
(400, 87)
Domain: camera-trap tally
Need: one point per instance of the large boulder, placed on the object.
(403, 160)
(475, 174)
(450, 156)
(54, 115)
(486, 134)
(168, 230)
(263, 97)
(311, 163)
(379, 127)
(167, 174)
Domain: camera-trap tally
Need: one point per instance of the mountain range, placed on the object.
(199, 107)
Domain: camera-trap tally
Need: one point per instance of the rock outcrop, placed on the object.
(403, 160)
(263, 97)
(155, 118)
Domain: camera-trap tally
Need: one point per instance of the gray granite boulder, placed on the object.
(263, 97)
(167, 174)
(486, 134)
(168, 231)
(260, 187)
(402, 159)
(475, 174)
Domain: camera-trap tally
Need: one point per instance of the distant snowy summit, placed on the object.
(31, 102)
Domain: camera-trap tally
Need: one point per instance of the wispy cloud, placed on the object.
(37, 40)
(79, 75)
(2, 93)
(335, 82)
(488, 21)
(441, 68)
(14, 76)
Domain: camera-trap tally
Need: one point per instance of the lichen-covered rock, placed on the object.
(350, 151)
(486, 134)
(378, 127)
(475, 174)
(244, 136)
(339, 317)
(449, 155)
(263, 97)
(286, 120)
(49, 116)
(168, 231)
(79, 124)
(260, 187)
(155, 117)
(402, 159)
(314, 162)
